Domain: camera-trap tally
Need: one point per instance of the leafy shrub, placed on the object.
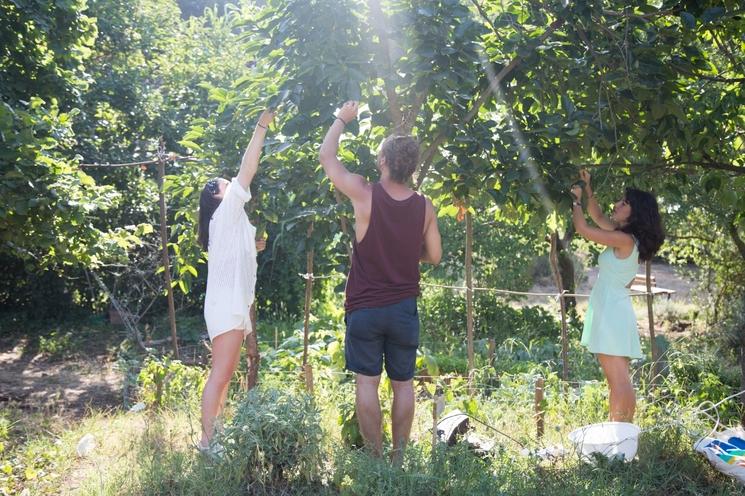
(57, 345)
(169, 383)
(694, 379)
(443, 317)
(274, 438)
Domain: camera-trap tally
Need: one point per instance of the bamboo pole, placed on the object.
(308, 299)
(650, 316)
(469, 294)
(554, 259)
(434, 423)
(164, 246)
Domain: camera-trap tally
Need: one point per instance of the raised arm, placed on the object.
(593, 208)
(250, 162)
(432, 252)
(615, 239)
(352, 185)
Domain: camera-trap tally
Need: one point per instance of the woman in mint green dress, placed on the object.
(633, 233)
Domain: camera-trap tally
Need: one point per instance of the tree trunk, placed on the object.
(650, 316)
(566, 272)
(253, 359)
(742, 371)
(166, 259)
(554, 259)
(740, 245)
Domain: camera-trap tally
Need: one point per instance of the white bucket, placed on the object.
(610, 439)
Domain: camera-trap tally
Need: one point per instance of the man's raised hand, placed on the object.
(348, 112)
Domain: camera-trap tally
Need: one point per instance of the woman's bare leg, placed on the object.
(226, 350)
(622, 394)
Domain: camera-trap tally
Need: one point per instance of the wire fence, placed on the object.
(564, 294)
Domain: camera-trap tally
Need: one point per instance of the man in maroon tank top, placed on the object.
(395, 230)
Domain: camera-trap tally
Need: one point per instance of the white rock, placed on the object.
(137, 407)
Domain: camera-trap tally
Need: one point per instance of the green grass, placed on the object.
(150, 452)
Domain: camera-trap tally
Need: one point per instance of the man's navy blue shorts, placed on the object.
(391, 331)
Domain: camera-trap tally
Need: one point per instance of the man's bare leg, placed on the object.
(402, 415)
(368, 412)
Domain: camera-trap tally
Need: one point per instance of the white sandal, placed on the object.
(214, 451)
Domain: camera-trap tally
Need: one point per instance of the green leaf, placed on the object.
(712, 14)
(190, 144)
(143, 229)
(688, 20)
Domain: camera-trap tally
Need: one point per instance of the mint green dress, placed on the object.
(610, 322)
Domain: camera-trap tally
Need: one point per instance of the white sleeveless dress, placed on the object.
(231, 265)
(610, 322)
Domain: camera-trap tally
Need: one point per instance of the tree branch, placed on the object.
(645, 17)
(739, 243)
(413, 112)
(661, 165)
(697, 238)
(379, 20)
(483, 15)
(482, 98)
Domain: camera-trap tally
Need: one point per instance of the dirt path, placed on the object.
(67, 387)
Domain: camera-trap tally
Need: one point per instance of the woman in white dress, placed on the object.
(230, 241)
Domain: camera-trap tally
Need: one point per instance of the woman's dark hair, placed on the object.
(401, 156)
(644, 222)
(208, 203)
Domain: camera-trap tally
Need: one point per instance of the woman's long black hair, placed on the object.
(644, 222)
(208, 203)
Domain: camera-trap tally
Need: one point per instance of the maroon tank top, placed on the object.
(385, 264)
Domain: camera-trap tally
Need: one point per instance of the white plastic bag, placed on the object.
(86, 445)
(703, 447)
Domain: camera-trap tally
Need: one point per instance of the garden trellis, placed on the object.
(160, 160)
(469, 289)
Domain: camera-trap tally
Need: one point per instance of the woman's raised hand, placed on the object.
(584, 175)
(576, 192)
(260, 244)
(267, 116)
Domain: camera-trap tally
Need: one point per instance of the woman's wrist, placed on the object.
(259, 124)
(342, 121)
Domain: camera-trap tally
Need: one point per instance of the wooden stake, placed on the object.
(492, 350)
(164, 247)
(435, 416)
(554, 259)
(308, 300)
(308, 375)
(469, 295)
(538, 405)
(650, 316)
